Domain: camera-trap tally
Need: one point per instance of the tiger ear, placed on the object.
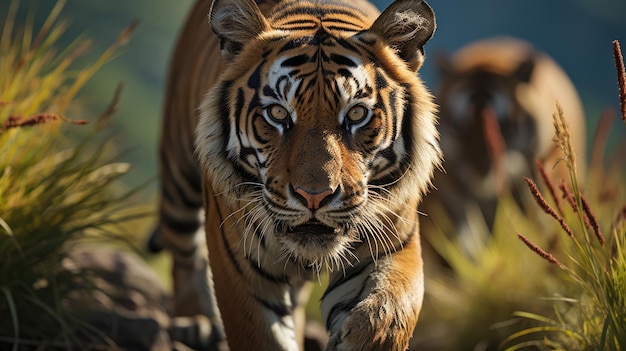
(235, 22)
(407, 25)
(524, 72)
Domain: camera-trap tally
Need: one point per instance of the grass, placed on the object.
(54, 191)
(592, 317)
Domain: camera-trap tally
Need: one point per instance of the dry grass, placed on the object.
(589, 314)
(53, 191)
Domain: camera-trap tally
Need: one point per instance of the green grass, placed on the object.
(589, 314)
(55, 191)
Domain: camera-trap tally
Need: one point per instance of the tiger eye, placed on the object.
(357, 113)
(278, 112)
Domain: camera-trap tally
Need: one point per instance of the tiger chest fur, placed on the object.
(316, 144)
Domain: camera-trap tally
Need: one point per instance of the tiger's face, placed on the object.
(318, 132)
(468, 99)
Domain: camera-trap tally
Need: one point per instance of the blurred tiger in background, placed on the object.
(496, 99)
(316, 142)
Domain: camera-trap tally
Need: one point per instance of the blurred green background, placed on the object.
(577, 33)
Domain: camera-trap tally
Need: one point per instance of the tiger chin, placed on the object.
(316, 142)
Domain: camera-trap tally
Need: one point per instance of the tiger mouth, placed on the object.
(314, 243)
(313, 228)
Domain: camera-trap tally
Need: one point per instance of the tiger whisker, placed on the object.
(241, 209)
(361, 227)
(407, 171)
(228, 191)
(265, 222)
(251, 218)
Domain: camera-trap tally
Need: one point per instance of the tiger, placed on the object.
(496, 99)
(301, 137)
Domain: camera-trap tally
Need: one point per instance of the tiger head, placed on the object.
(319, 134)
(496, 99)
(475, 100)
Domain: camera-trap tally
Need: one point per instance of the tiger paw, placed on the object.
(383, 323)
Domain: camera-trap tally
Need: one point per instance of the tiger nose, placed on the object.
(314, 199)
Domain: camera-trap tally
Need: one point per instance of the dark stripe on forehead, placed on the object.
(344, 73)
(381, 81)
(268, 91)
(254, 81)
(300, 22)
(346, 44)
(295, 43)
(314, 12)
(342, 60)
(295, 61)
(341, 28)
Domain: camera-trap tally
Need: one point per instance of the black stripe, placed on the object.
(259, 137)
(342, 60)
(351, 22)
(300, 21)
(179, 195)
(229, 250)
(254, 81)
(345, 306)
(380, 80)
(353, 28)
(296, 43)
(224, 112)
(240, 101)
(349, 275)
(265, 274)
(279, 309)
(344, 73)
(347, 45)
(268, 91)
(393, 113)
(182, 227)
(244, 152)
(315, 12)
(295, 61)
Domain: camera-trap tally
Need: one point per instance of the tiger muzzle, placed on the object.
(314, 199)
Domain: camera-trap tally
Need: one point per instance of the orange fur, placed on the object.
(288, 195)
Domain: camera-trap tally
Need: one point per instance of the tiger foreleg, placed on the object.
(197, 322)
(383, 314)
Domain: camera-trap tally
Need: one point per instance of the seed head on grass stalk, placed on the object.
(543, 204)
(594, 317)
(621, 77)
(543, 254)
(548, 182)
(563, 140)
